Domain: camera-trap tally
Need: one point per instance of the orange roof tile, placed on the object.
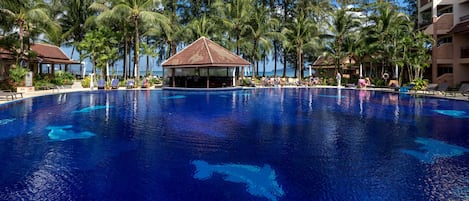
(48, 54)
(204, 53)
(51, 54)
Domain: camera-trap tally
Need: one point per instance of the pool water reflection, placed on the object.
(261, 144)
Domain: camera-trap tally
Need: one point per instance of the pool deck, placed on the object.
(77, 87)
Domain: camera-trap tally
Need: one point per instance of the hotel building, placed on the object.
(448, 22)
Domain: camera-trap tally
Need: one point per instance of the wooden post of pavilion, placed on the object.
(208, 78)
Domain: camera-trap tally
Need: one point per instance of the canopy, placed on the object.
(204, 53)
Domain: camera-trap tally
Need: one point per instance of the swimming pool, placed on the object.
(262, 144)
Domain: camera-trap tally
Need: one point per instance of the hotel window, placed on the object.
(445, 10)
(444, 69)
(444, 40)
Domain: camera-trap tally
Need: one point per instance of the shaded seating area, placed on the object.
(202, 64)
(200, 82)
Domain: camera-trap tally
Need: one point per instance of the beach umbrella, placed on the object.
(396, 71)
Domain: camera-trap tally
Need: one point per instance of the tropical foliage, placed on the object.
(292, 32)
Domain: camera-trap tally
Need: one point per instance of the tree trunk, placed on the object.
(136, 51)
(275, 58)
(263, 67)
(147, 70)
(284, 64)
(125, 72)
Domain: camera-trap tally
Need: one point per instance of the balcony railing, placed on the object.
(424, 2)
(464, 52)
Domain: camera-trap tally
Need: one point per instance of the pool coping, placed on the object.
(388, 90)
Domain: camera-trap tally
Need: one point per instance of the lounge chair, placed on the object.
(114, 84)
(442, 88)
(7, 94)
(130, 84)
(466, 93)
(16, 94)
(431, 88)
(101, 84)
(464, 88)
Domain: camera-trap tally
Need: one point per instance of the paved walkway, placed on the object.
(77, 87)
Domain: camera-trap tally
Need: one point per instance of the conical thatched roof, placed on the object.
(204, 53)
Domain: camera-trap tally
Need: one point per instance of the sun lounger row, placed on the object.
(115, 84)
(443, 88)
(10, 95)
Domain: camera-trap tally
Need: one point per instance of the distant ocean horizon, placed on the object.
(159, 73)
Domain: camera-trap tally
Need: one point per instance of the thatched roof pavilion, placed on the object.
(203, 64)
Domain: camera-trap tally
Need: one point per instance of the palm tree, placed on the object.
(28, 16)
(385, 20)
(341, 28)
(175, 33)
(235, 18)
(201, 27)
(260, 32)
(73, 19)
(139, 11)
(301, 33)
(416, 53)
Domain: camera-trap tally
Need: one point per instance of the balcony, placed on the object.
(443, 24)
(445, 51)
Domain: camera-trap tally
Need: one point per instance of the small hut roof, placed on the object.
(204, 53)
(47, 54)
(51, 54)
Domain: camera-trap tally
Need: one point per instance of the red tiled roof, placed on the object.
(48, 54)
(5, 54)
(204, 53)
(51, 54)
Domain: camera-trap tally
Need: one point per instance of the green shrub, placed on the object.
(378, 82)
(85, 83)
(42, 84)
(63, 78)
(420, 84)
(17, 73)
(154, 81)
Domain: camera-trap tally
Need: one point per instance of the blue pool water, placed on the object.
(262, 145)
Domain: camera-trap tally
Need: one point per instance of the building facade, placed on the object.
(448, 22)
